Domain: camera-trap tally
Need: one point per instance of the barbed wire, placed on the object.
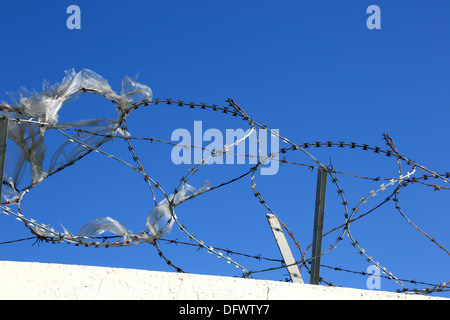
(26, 126)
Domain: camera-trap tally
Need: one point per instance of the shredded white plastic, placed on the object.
(37, 112)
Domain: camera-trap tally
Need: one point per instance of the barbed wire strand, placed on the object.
(235, 110)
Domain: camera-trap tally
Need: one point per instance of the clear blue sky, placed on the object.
(311, 69)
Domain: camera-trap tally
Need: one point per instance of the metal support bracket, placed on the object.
(318, 226)
(284, 249)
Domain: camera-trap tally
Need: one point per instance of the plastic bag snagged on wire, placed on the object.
(104, 224)
(134, 92)
(46, 104)
(44, 107)
(159, 219)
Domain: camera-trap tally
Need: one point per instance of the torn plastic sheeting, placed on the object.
(42, 232)
(104, 224)
(44, 106)
(30, 141)
(134, 92)
(71, 151)
(160, 219)
(188, 191)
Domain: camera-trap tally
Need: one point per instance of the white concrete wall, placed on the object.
(31, 280)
